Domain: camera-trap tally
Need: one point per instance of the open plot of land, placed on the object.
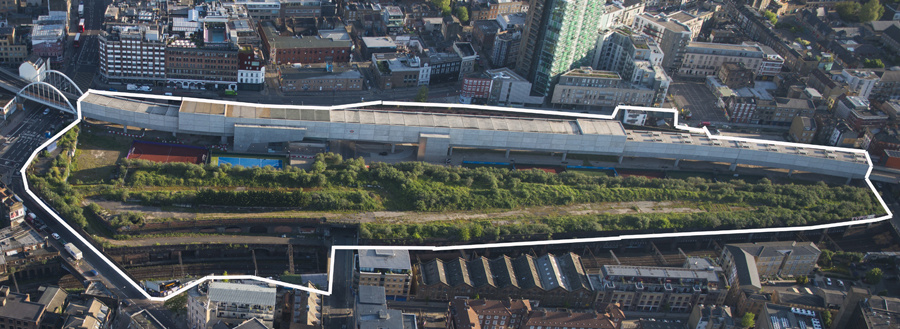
(697, 98)
(97, 155)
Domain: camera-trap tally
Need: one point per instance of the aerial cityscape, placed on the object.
(481, 164)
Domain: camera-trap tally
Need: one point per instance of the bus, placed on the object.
(77, 42)
(81, 25)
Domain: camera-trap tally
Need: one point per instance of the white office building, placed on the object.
(132, 54)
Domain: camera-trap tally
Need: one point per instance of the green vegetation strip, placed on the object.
(336, 184)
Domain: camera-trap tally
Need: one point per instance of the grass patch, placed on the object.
(292, 278)
(586, 172)
(96, 156)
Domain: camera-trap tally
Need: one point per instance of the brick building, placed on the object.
(518, 314)
(735, 75)
(741, 109)
(492, 8)
(781, 111)
(302, 49)
(803, 129)
(320, 77)
(476, 88)
(13, 50)
(554, 280)
(783, 259)
(207, 67)
(386, 268)
(653, 289)
(18, 311)
(251, 69)
(394, 70)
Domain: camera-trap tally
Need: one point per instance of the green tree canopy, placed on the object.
(871, 11)
(462, 13)
(443, 5)
(422, 95)
(826, 319)
(802, 279)
(874, 275)
(771, 17)
(748, 320)
(825, 258)
(873, 63)
(848, 10)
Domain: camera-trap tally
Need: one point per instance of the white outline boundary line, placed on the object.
(673, 111)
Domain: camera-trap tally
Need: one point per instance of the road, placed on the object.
(82, 63)
(27, 135)
(339, 306)
(697, 98)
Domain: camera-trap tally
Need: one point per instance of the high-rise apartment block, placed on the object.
(559, 35)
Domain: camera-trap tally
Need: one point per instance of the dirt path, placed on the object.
(419, 217)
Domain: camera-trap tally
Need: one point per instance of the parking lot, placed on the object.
(696, 97)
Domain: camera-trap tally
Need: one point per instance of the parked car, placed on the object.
(828, 281)
(92, 272)
(840, 283)
(55, 236)
(46, 111)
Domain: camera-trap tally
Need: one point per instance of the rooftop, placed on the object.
(241, 293)
(777, 248)
(145, 320)
(659, 272)
(587, 72)
(17, 306)
(286, 42)
(384, 259)
(379, 42)
(666, 22)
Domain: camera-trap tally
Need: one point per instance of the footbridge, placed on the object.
(52, 88)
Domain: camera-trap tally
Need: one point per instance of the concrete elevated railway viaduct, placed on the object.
(436, 134)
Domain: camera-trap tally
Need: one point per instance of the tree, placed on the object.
(826, 319)
(748, 320)
(848, 10)
(874, 275)
(443, 5)
(825, 258)
(465, 234)
(463, 13)
(873, 63)
(870, 11)
(771, 17)
(802, 279)
(422, 95)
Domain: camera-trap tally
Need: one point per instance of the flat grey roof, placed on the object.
(132, 105)
(384, 258)
(659, 272)
(697, 139)
(241, 293)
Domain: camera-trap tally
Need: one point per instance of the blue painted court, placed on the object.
(250, 162)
